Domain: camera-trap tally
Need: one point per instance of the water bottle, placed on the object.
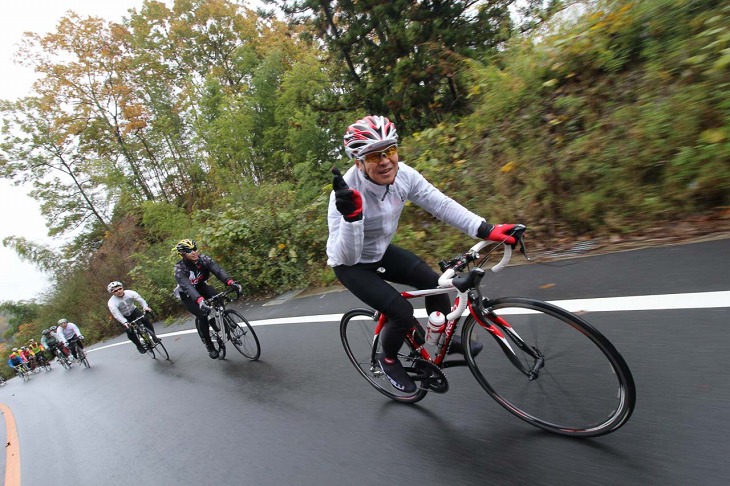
(436, 325)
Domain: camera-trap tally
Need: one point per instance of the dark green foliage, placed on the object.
(18, 313)
(403, 57)
(265, 239)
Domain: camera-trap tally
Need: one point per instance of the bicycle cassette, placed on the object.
(427, 374)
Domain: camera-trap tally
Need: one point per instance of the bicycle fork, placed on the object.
(495, 324)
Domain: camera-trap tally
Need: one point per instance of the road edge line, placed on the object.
(12, 460)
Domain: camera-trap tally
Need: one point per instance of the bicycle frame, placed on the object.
(218, 303)
(451, 321)
(469, 299)
(139, 328)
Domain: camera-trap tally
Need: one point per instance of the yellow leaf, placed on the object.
(282, 246)
(509, 167)
(714, 135)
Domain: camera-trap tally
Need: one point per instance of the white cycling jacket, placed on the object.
(124, 305)
(68, 333)
(365, 241)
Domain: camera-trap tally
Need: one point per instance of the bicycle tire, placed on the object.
(146, 341)
(82, 356)
(24, 375)
(242, 335)
(584, 389)
(219, 345)
(162, 350)
(357, 333)
(63, 360)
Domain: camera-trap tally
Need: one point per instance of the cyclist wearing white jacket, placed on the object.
(71, 335)
(364, 209)
(122, 306)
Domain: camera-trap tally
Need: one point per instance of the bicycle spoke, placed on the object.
(242, 335)
(584, 387)
(357, 332)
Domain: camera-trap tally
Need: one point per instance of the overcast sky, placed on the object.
(19, 213)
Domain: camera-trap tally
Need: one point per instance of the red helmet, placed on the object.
(368, 135)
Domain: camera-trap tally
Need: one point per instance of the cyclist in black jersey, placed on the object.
(191, 275)
(363, 214)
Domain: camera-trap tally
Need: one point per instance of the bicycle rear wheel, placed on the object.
(242, 335)
(584, 388)
(357, 332)
(218, 344)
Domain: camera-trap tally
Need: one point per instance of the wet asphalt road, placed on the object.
(302, 416)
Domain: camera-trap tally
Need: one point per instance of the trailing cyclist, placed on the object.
(29, 357)
(121, 305)
(71, 334)
(191, 275)
(16, 362)
(51, 343)
(36, 347)
(364, 209)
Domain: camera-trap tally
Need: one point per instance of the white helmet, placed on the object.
(62, 322)
(113, 285)
(368, 135)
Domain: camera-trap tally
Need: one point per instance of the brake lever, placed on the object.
(521, 241)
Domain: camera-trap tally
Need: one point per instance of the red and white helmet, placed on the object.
(368, 135)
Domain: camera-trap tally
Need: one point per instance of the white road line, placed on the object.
(697, 300)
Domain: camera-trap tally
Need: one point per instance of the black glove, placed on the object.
(235, 286)
(205, 307)
(348, 201)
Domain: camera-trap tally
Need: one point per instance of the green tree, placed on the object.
(18, 313)
(404, 57)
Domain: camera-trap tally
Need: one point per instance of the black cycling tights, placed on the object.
(201, 318)
(367, 281)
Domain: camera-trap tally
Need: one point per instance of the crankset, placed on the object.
(428, 374)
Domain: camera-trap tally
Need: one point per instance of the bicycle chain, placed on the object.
(430, 375)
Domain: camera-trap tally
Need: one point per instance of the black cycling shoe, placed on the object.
(156, 339)
(396, 374)
(458, 348)
(141, 350)
(212, 352)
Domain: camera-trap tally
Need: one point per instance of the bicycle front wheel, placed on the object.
(242, 335)
(64, 361)
(581, 386)
(82, 357)
(162, 350)
(357, 332)
(146, 340)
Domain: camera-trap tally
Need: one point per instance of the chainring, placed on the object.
(428, 374)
